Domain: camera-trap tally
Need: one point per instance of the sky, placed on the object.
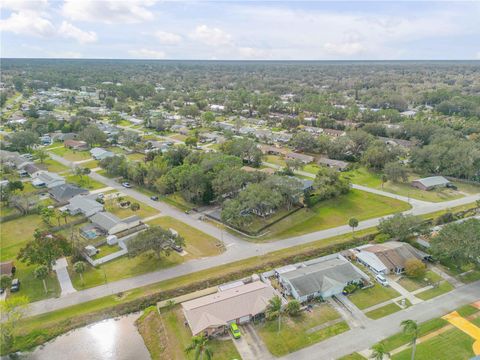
(240, 30)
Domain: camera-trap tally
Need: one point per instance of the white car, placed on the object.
(382, 280)
(126, 184)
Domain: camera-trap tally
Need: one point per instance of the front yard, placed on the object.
(443, 288)
(84, 181)
(336, 212)
(302, 331)
(71, 155)
(112, 205)
(412, 284)
(365, 298)
(383, 311)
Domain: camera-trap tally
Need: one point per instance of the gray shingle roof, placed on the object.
(65, 192)
(433, 181)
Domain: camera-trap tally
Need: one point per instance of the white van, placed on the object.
(381, 279)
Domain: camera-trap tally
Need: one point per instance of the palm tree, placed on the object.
(293, 308)
(200, 347)
(274, 310)
(79, 268)
(41, 273)
(410, 327)
(379, 351)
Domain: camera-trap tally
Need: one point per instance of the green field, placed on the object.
(298, 332)
(443, 288)
(54, 166)
(84, 181)
(336, 212)
(363, 176)
(383, 311)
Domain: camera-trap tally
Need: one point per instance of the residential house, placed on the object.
(31, 169)
(64, 136)
(65, 192)
(305, 159)
(272, 150)
(85, 205)
(100, 153)
(212, 314)
(48, 179)
(78, 145)
(386, 258)
(7, 268)
(430, 183)
(111, 224)
(323, 277)
(335, 164)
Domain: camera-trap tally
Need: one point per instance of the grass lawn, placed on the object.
(443, 288)
(85, 181)
(92, 164)
(143, 212)
(362, 176)
(54, 166)
(136, 157)
(364, 298)
(6, 210)
(14, 235)
(336, 212)
(71, 155)
(178, 201)
(412, 284)
(150, 326)
(450, 345)
(383, 311)
(180, 137)
(294, 331)
(104, 173)
(470, 276)
(275, 159)
(178, 337)
(198, 244)
(105, 250)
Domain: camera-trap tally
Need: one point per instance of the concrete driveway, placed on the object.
(250, 346)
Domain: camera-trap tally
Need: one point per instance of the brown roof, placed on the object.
(218, 309)
(394, 254)
(6, 268)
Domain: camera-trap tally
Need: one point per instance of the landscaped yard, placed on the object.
(114, 207)
(299, 332)
(412, 284)
(363, 176)
(71, 155)
(443, 288)
(178, 337)
(364, 298)
(383, 311)
(198, 244)
(84, 181)
(336, 212)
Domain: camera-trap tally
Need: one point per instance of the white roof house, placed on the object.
(100, 154)
(83, 204)
(112, 224)
(49, 179)
(237, 304)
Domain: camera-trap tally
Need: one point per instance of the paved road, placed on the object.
(375, 330)
(236, 248)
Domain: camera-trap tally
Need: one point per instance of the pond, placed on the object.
(112, 339)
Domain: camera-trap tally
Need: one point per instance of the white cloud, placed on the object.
(147, 54)
(250, 53)
(166, 38)
(109, 11)
(344, 49)
(70, 31)
(211, 36)
(18, 5)
(28, 23)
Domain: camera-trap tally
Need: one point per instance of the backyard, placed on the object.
(302, 331)
(336, 212)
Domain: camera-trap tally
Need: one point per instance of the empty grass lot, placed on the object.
(275, 159)
(71, 155)
(336, 212)
(178, 337)
(84, 181)
(364, 298)
(294, 331)
(363, 176)
(383, 311)
(114, 207)
(53, 166)
(412, 284)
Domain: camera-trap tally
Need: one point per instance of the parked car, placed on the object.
(382, 280)
(154, 198)
(452, 186)
(100, 196)
(126, 185)
(177, 248)
(235, 331)
(15, 285)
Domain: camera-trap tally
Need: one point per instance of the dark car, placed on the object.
(177, 248)
(154, 198)
(452, 186)
(15, 285)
